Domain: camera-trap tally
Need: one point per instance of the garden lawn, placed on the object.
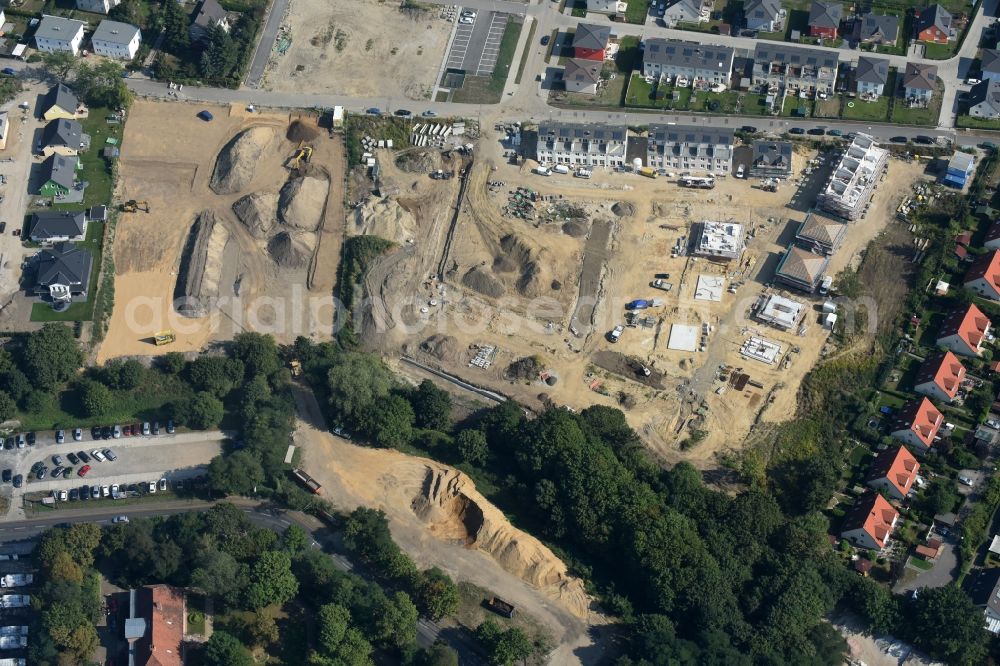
(78, 311)
(877, 111)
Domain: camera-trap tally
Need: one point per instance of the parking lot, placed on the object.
(477, 45)
(140, 459)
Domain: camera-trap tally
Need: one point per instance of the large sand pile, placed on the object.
(519, 258)
(237, 161)
(385, 218)
(201, 266)
(452, 507)
(302, 201)
(291, 250)
(479, 280)
(258, 212)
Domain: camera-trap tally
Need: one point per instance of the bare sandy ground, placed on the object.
(365, 48)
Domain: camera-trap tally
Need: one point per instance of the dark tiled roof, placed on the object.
(589, 36)
(555, 131)
(687, 54)
(66, 264)
(794, 55)
(872, 70)
(825, 14)
(878, 25)
(57, 224)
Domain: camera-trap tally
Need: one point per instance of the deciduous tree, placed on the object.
(51, 356)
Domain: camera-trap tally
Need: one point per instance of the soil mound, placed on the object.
(258, 212)
(524, 368)
(575, 228)
(623, 209)
(481, 281)
(385, 218)
(440, 346)
(237, 161)
(291, 250)
(517, 253)
(299, 131)
(302, 201)
(451, 505)
(200, 266)
(417, 161)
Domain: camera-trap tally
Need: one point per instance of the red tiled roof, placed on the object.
(970, 324)
(929, 553)
(167, 626)
(944, 369)
(987, 267)
(898, 466)
(961, 252)
(964, 238)
(874, 515)
(922, 417)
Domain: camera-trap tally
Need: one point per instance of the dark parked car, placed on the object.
(40, 474)
(106, 432)
(796, 130)
(18, 481)
(899, 139)
(95, 432)
(8, 443)
(31, 438)
(60, 437)
(72, 458)
(9, 71)
(85, 493)
(7, 475)
(74, 494)
(170, 427)
(816, 131)
(545, 40)
(84, 456)
(749, 129)
(156, 427)
(373, 111)
(403, 113)
(57, 472)
(206, 116)
(835, 132)
(66, 472)
(923, 139)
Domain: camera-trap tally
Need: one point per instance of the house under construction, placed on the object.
(850, 188)
(719, 240)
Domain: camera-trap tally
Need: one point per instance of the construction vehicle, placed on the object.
(164, 338)
(296, 367)
(132, 206)
(310, 484)
(501, 607)
(648, 172)
(302, 153)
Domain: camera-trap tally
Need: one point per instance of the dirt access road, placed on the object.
(437, 517)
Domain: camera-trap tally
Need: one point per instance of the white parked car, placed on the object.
(120, 519)
(964, 480)
(466, 20)
(98, 455)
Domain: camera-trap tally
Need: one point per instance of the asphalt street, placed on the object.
(268, 35)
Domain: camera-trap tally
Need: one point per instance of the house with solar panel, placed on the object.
(581, 144)
(702, 65)
(690, 148)
(794, 70)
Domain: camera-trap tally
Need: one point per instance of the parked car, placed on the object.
(749, 129)
(170, 427)
(898, 139)
(163, 484)
(151, 487)
(834, 132)
(403, 113)
(95, 432)
(106, 432)
(20, 441)
(31, 439)
(126, 431)
(467, 20)
(57, 472)
(60, 436)
(966, 481)
(110, 455)
(993, 423)
(105, 491)
(57, 459)
(9, 71)
(816, 131)
(18, 481)
(97, 455)
(373, 111)
(117, 432)
(74, 494)
(67, 472)
(114, 490)
(84, 457)
(42, 471)
(63, 495)
(205, 115)
(926, 140)
(796, 130)
(156, 427)
(77, 434)
(73, 459)
(120, 519)
(7, 475)
(429, 114)
(85, 492)
(545, 40)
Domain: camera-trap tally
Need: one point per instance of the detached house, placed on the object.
(58, 176)
(919, 83)
(766, 15)
(983, 277)
(97, 6)
(208, 14)
(894, 472)
(606, 6)
(870, 76)
(581, 144)
(879, 29)
(917, 424)
(701, 65)
(990, 66)
(934, 24)
(964, 331)
(801, 269)
(64, 137)
(590, 41)
(60, 102)
(985, 593)
(984, 98)
(870, 523)
(53, 226)
(771, 159)
(56, 33)
(824, 19)
(114, 39)
(689, 148)
(992, 240)
(63, 273)
(582, 75)
(940, 376)
(682, 11)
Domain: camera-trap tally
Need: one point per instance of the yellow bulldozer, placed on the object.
(132, 206)
(302, 154)
(164, 338)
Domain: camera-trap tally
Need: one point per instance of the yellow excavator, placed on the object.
(303, 153)
(132, 206)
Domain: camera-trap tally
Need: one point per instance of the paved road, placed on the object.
(267, 36)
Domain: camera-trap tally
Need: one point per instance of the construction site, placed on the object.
(229, 230)
(614, 288)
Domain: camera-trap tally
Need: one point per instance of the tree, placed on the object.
(472, 446)
(295, 540)
(503, 647)
(7, 407)
(63, 567)
(102, 84)
(129, 11)
(172, 363)
(258, 353)
(440, 654)
(272, 580)
(96, 398)
(224, 649)
(940, 497)
(334, 621)
(216, 374)
(437, 594)
(51, 356)
(389, 422)
(204, 411)
(396, 621)
(216, 573)
(220, 55)
(236, 474)
(176, 39)
(262, 629)
(59, 64)
(432, 406)
(357, 381)
(125, 375)
(945, 622)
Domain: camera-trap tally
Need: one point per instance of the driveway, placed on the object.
(943, 572)
(266, 42)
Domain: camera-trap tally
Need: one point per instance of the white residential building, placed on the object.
(701, 65)
(719, 240)
(704, 149)
(607, 6)
(853, 181)
(581, 144)
(116, 40)
(97, 6)
(56, 33)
